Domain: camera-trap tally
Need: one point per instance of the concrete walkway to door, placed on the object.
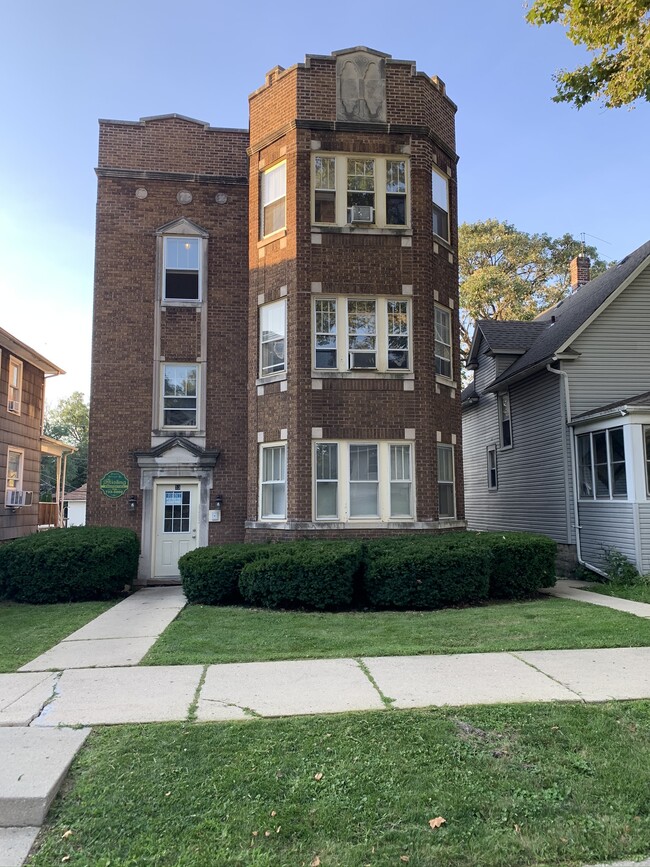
(119, 637)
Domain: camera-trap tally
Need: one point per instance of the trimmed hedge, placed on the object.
(210, 576)
(304, 575)
(69, 565)
(522, 563)
(427, 576)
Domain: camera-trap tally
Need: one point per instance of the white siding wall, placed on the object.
(615, 351)
(606, 524)
(644, 526)
(532, 490)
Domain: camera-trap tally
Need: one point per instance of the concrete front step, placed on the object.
(34, 763)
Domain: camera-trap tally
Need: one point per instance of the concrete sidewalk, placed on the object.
(565, 588)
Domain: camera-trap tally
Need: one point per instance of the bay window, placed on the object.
(601, 465)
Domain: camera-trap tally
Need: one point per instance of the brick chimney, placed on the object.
(579, 271)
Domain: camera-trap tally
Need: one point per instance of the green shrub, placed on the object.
(427, 574)
(522, 563)
(619, 570)
(69, 565)
(210, 576)
(318, 575)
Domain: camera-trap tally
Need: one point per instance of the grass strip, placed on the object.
(635, 592)
(517, 785)
(212, 634)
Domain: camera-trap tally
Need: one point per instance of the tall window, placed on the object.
(182, 269)
(492, 478)
(396, 192)
(325, 189)
(14, 481)
(180, 395)
(274, 199)
(361, 190)
(327, 481)
(440, 195)
(364, 481)
(273, 494)
(601, 465)
(443, 342)
(377, 336)
(401, 502)
(273, 338)
(362, 334)
(446, 495)
(14, 396)
(505, 421)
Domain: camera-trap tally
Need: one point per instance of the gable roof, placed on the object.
(562, 323)
(511, 337)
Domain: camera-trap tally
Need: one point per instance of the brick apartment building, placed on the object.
(275, 348)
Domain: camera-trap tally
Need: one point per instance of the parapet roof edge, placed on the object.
(173, 116)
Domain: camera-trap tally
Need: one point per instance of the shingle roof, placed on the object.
(468, 392)
(514, 336)
(638, 400)
(563, 319)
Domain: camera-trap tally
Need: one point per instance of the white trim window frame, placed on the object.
(182, 272)
(646, 455)
(273, 199)
(446, 482)
(505, 419)
(440, 204)
(15, 389)
(360, 190)
(443, 342)
(492, 468)
(15, 469)
(273, 482)
(602, 469)
(360, 481)
(361, 333)
(179, 399)
(273, 338)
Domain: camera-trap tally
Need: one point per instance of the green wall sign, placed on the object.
(114, 484)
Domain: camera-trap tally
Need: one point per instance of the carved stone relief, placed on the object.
(361, 87)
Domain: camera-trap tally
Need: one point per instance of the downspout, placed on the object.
(573, 472)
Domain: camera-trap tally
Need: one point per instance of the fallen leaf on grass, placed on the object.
(273, 813)
(437, 822)
(65, 858)
(267, 833)
(318, 776)
(404, 858)
(255, 833)
(517, 829)
(167, 794)
(66, 834)
(315, 862)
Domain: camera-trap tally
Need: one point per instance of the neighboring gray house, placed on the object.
(556, 424)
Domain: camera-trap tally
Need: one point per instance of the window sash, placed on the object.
(273, 199)
(182, 268)
(492, 470)
(325, 351)
(505, 421)
(362, 333)
(327, 478)
(401, 483)
(14, 476)
(602, 469)
(273, 343)
(440, 200)
(14, 392)
(325, 189)
(443, 342)
(446, 488)
(273, 483)
(180, 395)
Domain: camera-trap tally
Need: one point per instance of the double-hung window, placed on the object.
(361, 333)
(505, 420)
(446, 487)
(14, 396)
(357, 190)
(180, 396)
(182, 269)
(360, 481)
(440, 197)
(646, 437)
(273, 342)
(273, 483)
(443, 342)
(14, 480)
(274, 199)
(601, 465)
(492, 477)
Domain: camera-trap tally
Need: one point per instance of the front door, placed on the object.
(176, 526)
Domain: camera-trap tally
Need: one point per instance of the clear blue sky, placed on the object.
(543, 166)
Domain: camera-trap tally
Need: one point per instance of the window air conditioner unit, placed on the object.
(362, 360)
(13, 406)
(361, 214)
(14, 498)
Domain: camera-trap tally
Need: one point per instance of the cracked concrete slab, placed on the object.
(15, 844)
(100, 653)
(597, 675)
(22, 696)
(34, 763)
(287, 688)
(108, 696)
(475, 678)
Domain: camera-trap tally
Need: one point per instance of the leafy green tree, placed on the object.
(617, 33)
(509, 274)
(67, 422)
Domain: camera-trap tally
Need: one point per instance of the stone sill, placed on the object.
(360, 229)
(362, 374)
(443, 524)
(269, 239)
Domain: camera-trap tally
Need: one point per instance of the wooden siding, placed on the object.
(606, 524)
(614, 351)
(532, 491)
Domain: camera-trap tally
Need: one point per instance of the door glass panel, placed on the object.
(177, 512)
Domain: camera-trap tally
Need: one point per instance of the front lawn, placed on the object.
(517, 786)
(636, 592)
(206, 634)
(26, 631)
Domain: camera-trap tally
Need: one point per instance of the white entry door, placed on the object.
(176, 526)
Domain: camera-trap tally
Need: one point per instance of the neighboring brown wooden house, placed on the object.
(22, 402)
